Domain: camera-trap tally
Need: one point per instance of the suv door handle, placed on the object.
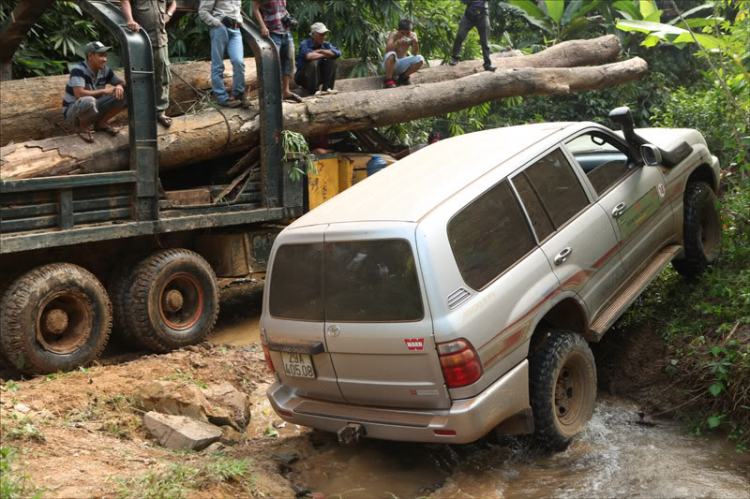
(619, 210)
(563, 255)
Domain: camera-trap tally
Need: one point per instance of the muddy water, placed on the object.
(613, 457)
(237, 331)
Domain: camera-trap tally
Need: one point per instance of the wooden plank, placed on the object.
(37, 210)
(67, 181)
(189, 197)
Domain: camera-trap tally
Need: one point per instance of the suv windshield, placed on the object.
(364, 281)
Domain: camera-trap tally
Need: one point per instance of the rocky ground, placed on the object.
(82, 434)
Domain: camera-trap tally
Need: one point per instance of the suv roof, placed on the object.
(409, 189)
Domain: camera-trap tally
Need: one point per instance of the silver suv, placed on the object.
(456, 291)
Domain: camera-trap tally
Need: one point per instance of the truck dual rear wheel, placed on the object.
(562, 379)
(54, 318)
(172, 300)
(701, 230)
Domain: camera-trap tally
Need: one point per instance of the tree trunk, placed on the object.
(195, 138)
(34, 111)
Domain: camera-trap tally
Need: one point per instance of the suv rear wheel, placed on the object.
(701, 230)
(562, 381)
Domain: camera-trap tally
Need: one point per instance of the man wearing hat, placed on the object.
(153, 16)
(316, 63)
(87, 98)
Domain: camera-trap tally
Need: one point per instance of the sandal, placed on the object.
(165, 120)
(294, 98)
(108, 130)
(86, 136)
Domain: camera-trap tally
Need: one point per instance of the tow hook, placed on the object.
(351, 433)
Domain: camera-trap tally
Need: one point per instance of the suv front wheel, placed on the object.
(562, 382)
(701, 230)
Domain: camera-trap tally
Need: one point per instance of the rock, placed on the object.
(235, 403)
(215, 447)
(172, 398)
(230, 436)
(180, 432)
(286, 459)
(22, 408)
(318, 495)
(37, 406)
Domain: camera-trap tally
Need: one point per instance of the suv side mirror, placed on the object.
(651, 155)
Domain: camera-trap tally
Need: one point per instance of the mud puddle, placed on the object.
(615, 456)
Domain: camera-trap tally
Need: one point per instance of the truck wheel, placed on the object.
(175, 300)
(562, 381)
(118, 288)
(701, 230)
(54, 318)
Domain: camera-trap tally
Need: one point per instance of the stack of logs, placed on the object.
(38, 143)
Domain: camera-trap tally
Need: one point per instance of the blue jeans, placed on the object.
(225, 40)
(285, 44)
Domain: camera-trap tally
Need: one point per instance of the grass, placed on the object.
(706, 323)
(179, 480)
(14, 482)
(24, 432)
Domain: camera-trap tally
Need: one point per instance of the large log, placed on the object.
(31, 109)
(195, 138)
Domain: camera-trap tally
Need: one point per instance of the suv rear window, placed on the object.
(296, 289)
(365, 281)
(371, 281)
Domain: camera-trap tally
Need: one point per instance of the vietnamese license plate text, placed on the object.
(298, 365)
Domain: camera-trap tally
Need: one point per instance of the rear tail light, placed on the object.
(445, 433)
(285, 413)
(267, 355)
(460, 363)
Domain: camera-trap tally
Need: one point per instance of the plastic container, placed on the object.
(375, 164)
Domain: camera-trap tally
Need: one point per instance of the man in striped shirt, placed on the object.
(87, 98)
(270, 15)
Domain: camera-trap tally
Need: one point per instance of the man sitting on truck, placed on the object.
(88, 99)
(316, 64)
(397, 62)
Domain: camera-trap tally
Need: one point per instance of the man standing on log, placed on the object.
(276, 22)
(153, 16)
(225, 18)
(476, 16)
(87, 97)
(316, 64)
(396, 62)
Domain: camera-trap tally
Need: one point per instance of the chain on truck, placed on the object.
(83, 255)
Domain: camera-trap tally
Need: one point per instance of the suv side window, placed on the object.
(558, 187)
(603, 160)
(489, 235)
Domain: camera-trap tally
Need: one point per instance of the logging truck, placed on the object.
(127, 251)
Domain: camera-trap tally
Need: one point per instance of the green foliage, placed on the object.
(180, 480)
(708, 325)
(559, 20)
(14, 483)
(296, 150)
(25, 431)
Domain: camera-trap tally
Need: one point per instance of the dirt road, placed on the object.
(80, 435)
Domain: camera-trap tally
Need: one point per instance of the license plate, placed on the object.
(298, 365)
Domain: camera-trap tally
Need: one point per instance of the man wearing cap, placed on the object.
(316, 63)
(87, 98)
(276, 23)
(225, 18)
(153, 16)
(476, 16)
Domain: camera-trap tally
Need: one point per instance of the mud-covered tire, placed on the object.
(64, 297)
(118, 287)
(174, 300)
(701, 231)
(562, 386)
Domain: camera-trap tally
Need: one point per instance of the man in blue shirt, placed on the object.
(316, 63)
(476, 16)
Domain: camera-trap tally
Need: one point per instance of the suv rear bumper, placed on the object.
(471, 418)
